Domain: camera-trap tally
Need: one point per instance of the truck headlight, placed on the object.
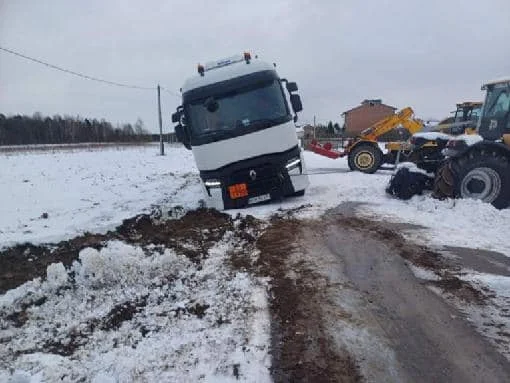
(212, 184)
(294, 164)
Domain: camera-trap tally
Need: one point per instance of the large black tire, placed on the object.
(366, 158)
(482, 174)
(405, 184)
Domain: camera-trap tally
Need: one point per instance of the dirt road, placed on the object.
(345, 305)
(376, 311)
(431, 341)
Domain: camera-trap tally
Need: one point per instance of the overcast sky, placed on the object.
(425, 54)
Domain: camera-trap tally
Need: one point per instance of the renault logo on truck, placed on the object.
(253, 175)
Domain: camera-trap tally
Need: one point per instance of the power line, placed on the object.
(86, 76)
(75, 73)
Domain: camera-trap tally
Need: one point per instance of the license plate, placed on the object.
(259, 198)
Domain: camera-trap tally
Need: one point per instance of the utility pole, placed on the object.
(314, 127)
(161, 145)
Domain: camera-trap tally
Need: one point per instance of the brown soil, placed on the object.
(201, 228)
(25, 262)
(301, 349)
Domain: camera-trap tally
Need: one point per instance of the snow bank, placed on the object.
(122, 314)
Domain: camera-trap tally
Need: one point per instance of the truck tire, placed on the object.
(365, 158)
(478, 174)
(300, 193)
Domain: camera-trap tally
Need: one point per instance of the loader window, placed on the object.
(475, 114)
(240, 111)
(498, 103)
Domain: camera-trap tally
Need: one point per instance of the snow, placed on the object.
(88, 190)
(445, 223)
(432, 136)
(491, 320)
(469, 139)
(496, 81)
(413, 168)
(177, 345)
(95, 190)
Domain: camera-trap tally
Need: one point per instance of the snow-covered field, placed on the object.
(47, 197)
(90, 190)
(96, 190)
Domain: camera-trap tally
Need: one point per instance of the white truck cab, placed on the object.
(236, 120)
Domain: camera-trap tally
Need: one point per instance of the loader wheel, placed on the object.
(480, 174)
(365, 158)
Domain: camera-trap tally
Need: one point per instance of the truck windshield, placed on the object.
(256, 107)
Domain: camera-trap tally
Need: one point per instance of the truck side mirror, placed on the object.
(295, 101)
(182, 136)
(176, 116)
(292, 87)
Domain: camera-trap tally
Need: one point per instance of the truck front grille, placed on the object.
(260, 179)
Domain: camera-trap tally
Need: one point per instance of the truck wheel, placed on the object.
(300, 193)
(483, 175)
(365, 158)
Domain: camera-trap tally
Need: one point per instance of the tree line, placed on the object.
(36, 129)
(330, 129)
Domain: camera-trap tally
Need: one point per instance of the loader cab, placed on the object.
(468, 111)
(463, 120)
(495, 118)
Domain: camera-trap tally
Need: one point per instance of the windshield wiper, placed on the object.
(225, 131)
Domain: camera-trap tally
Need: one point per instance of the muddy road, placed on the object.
(344, 302)
(430, 340)
(353, 310)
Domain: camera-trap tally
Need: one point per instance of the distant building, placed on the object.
(365, 115)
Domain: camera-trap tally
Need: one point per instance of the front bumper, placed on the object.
(266, 178)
